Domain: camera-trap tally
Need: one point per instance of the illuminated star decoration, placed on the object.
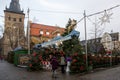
(105, 18)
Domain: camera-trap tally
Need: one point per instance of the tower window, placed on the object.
(20, 19)
(9, 18)
(14, 19)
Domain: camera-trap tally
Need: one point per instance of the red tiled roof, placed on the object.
(35, 29)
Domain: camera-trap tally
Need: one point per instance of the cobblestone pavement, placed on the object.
(10, 72)
(107, 74)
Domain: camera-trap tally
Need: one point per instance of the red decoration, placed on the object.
(34, 54)
(75, 54)
(109, 52)
(30, 65)
(40, 58)
(74, 60)
(90, 62)
(81, 68)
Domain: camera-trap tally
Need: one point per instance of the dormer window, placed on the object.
(41, 32)
(47, 33)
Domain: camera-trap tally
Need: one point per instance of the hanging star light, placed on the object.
(105, 17)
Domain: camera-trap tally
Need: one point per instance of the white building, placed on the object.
(111, 41)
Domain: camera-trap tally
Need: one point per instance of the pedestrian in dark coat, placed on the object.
(1, 58)
(62, 63)
(55, 65)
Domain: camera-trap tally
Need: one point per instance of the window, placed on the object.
(20, 19)
(48, 39)
(47, 33)
(93, 41)
(97, 40)
(58, 34)
(14, 19)
(41, 32)
(9, 18)
(89, 41)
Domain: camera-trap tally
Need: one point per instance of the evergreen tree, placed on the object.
(73, 48)
(67, 26)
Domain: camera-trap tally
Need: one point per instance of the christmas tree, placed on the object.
(73, 48)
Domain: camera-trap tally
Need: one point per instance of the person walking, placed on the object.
(1, 58)
(55, 65)
(62, 63)
(68, 64)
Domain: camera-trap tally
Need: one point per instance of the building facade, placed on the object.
(108, 42)
(40, 32)
(111, 42)
(13, 27)
(93, 45)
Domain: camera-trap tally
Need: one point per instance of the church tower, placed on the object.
(14, 27)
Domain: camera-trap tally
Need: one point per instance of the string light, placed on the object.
(105, 18)
(99, 12)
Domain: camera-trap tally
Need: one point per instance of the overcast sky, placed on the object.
(57, 12)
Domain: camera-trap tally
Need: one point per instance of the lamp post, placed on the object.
(28, 32)
(85, 39)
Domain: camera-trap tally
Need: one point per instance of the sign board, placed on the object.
(23, 59)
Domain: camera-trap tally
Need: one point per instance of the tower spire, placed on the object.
(14, 7)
